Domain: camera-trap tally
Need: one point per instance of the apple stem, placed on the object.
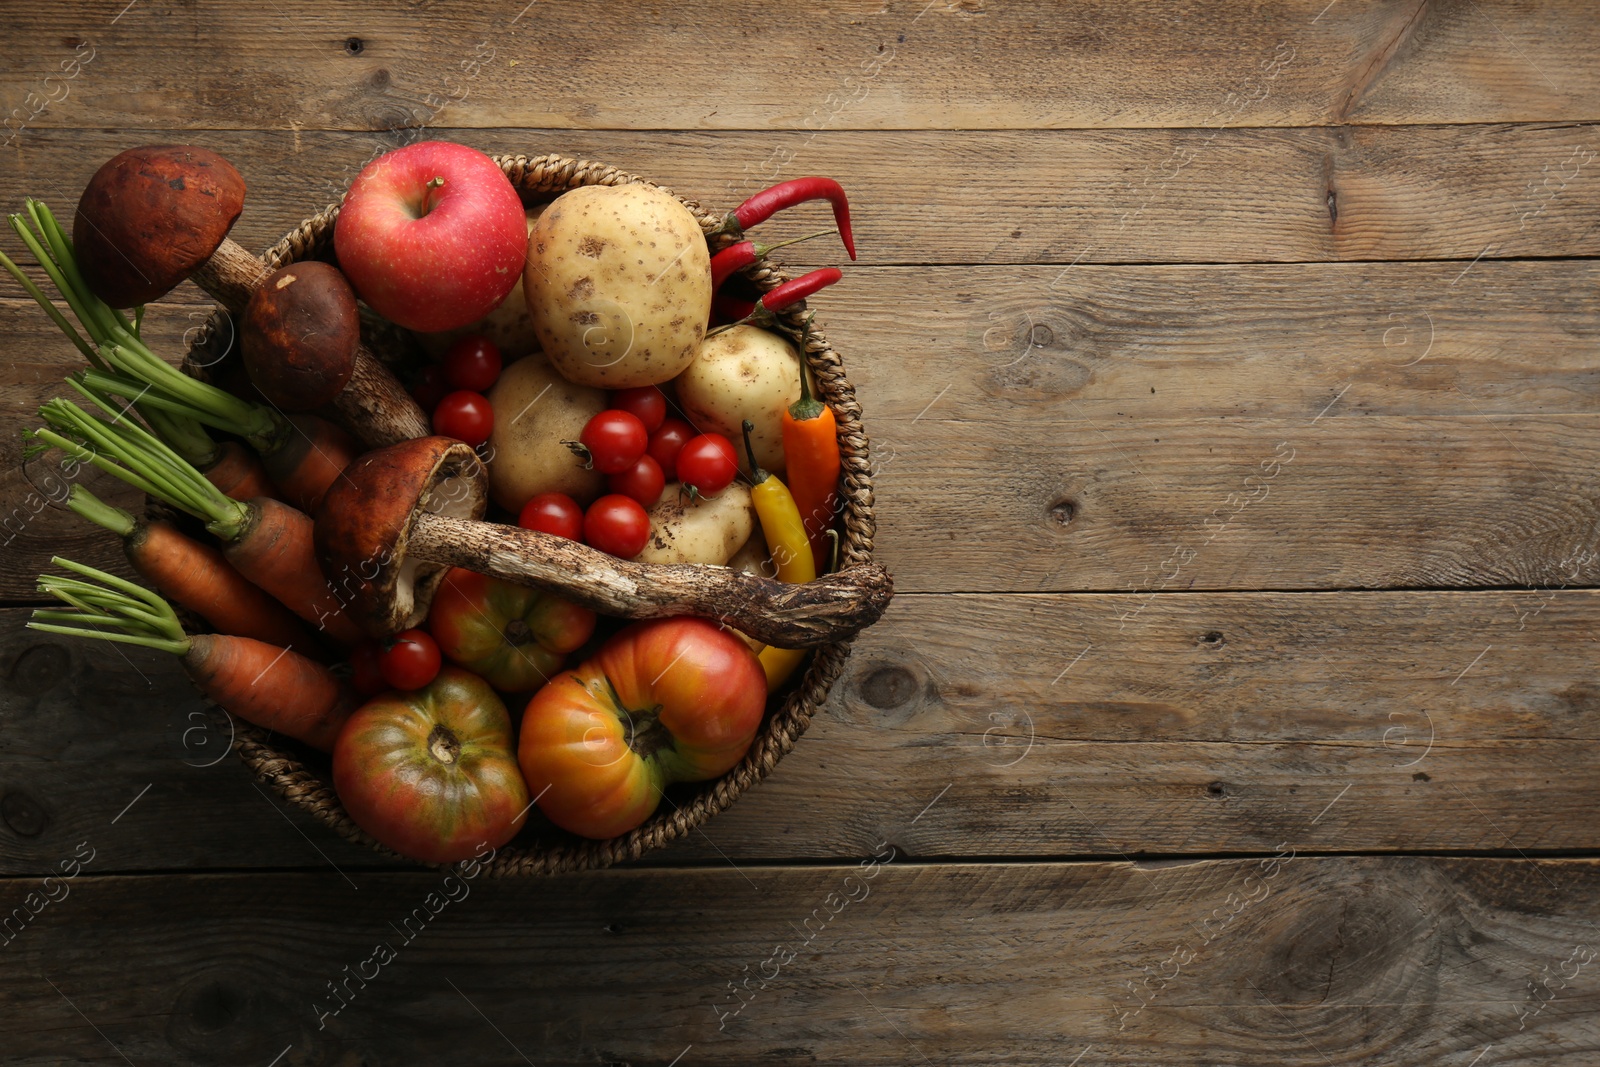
(427, 195)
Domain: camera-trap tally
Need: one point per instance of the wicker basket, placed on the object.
(542, 848)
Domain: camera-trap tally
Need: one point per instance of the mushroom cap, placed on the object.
(150, 216)
(364, 525)
(299, 335)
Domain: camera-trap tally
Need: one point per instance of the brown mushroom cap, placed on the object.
(365, 519)
(299, 335)
(150, 216)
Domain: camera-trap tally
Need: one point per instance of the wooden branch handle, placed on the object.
(374, 405)
(832, 608)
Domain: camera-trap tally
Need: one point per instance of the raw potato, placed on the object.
(535, 410)
(618, 284)
(743, 373)
(509, 326)
(710, 530)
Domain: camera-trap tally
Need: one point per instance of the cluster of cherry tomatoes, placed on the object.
(453, 390)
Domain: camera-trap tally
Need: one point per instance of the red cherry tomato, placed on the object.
(473, 362)
(430, 387)
(412, 660)
(665, 444)
(618, 525)
(466, 416)
(644, 403)
(366, 670)
(615, 440)
(643, 481)
(553, 513)
(708, 463)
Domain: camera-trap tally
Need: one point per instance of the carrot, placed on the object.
(811, 458)
(198, 577)
(307, 464)
(275, 688)
(277, 552)
(174, 404)
(266, 541)
(237, 472)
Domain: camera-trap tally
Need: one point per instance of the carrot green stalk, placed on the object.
(197, 576)
(302, 463)
(811, 457)
(274, 687)
(266, 541)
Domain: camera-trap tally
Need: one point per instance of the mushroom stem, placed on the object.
(832, 608)
(230, 275)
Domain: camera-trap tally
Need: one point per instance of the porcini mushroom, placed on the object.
(400, 515)
(298, 336)
(155, 215)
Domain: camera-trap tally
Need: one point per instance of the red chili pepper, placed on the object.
(792, 292)
(764, 312)
(769, 202)
(736, 257)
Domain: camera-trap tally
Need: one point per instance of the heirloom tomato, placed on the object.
(431, 773)
(669, 700)
(515, 636)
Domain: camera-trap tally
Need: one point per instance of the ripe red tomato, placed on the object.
(669, 700)
(665, 444)
(643, 482)
(553, 513)
(430, 387)
(473, 362)
(466, 416)
(618, 525)
(645, 402)
(708, 463)
(615, 440)
(411, 661)
(513, 636)
(432, 774)
(366, 670)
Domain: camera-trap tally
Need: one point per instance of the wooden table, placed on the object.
(1233, 381)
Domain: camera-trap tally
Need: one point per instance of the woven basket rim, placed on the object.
(281, 767)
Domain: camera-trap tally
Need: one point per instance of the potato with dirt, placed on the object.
(703, 530)
(618, 285)
(738, 374)
(536, 411)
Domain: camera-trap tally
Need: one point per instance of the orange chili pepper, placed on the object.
(811, 457)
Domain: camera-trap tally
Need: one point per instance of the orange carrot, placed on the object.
(308, 460)
(272, 687)
(266, 541)
(276, 553)
(198, 577)
(237, 472)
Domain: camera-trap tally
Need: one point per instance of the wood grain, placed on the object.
(856, 65)
(1045, 725)
(1047, 433)
(1138, 196)
(1292, 961)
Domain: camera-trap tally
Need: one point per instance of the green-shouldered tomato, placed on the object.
(515, 636)
(431, 773)
(669, 700)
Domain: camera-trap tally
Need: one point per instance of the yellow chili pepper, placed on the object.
(785, 534)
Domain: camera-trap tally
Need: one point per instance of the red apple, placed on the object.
(432, 236)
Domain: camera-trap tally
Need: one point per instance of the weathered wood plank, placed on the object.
(1292, 960)
(1356, 193)
(1291, 426)
(848, 66)
(1046, 725)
